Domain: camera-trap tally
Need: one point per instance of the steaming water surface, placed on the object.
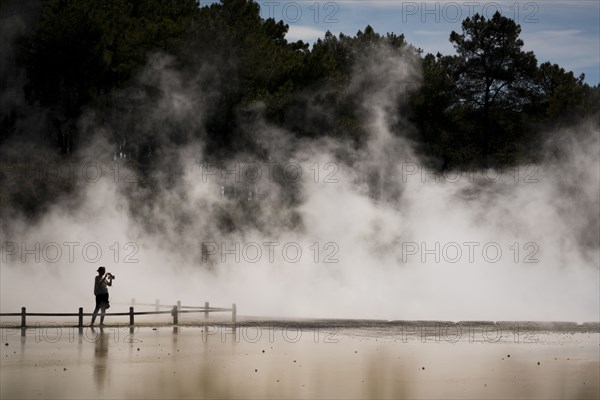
(269, 361)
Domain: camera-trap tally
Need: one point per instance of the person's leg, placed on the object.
(95, 313)
(95, 310)
(103, 306)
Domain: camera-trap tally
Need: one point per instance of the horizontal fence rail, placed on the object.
(175, 310)
(206, 308)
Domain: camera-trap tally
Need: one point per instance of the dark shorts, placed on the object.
(102, 300)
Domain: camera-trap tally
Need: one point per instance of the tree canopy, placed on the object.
(486, 105)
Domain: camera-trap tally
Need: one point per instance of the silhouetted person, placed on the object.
(101, 283)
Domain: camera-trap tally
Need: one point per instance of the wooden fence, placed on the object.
(175, 310)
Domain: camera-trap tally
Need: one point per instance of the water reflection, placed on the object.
(101, 342)
(257, 362)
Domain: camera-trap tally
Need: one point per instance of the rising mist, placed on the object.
(379, 234)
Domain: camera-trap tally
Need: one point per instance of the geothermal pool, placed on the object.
(291, 359)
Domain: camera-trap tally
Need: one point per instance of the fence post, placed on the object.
(175, 315)
(80, 325)
(178, 305)
(23, 317)
(157, 305)
(130, 316)
(233, 313)
(206, 309)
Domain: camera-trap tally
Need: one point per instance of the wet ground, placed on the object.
(304, 359)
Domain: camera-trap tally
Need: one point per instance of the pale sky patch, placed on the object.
(569, 48)
(305, 33)
(431, 33)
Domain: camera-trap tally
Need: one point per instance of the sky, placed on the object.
(562, 32)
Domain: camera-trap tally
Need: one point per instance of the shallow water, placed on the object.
(291, 361)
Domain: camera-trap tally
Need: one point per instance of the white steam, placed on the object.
(550, 211)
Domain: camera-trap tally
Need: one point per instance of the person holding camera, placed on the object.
(101, 283)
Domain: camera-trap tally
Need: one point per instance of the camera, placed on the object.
(110, 276)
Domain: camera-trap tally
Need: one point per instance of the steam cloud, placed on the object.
(367, 208)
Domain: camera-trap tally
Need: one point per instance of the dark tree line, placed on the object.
(490, 103)
(487, 105)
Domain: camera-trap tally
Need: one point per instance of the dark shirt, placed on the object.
(100, 286)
